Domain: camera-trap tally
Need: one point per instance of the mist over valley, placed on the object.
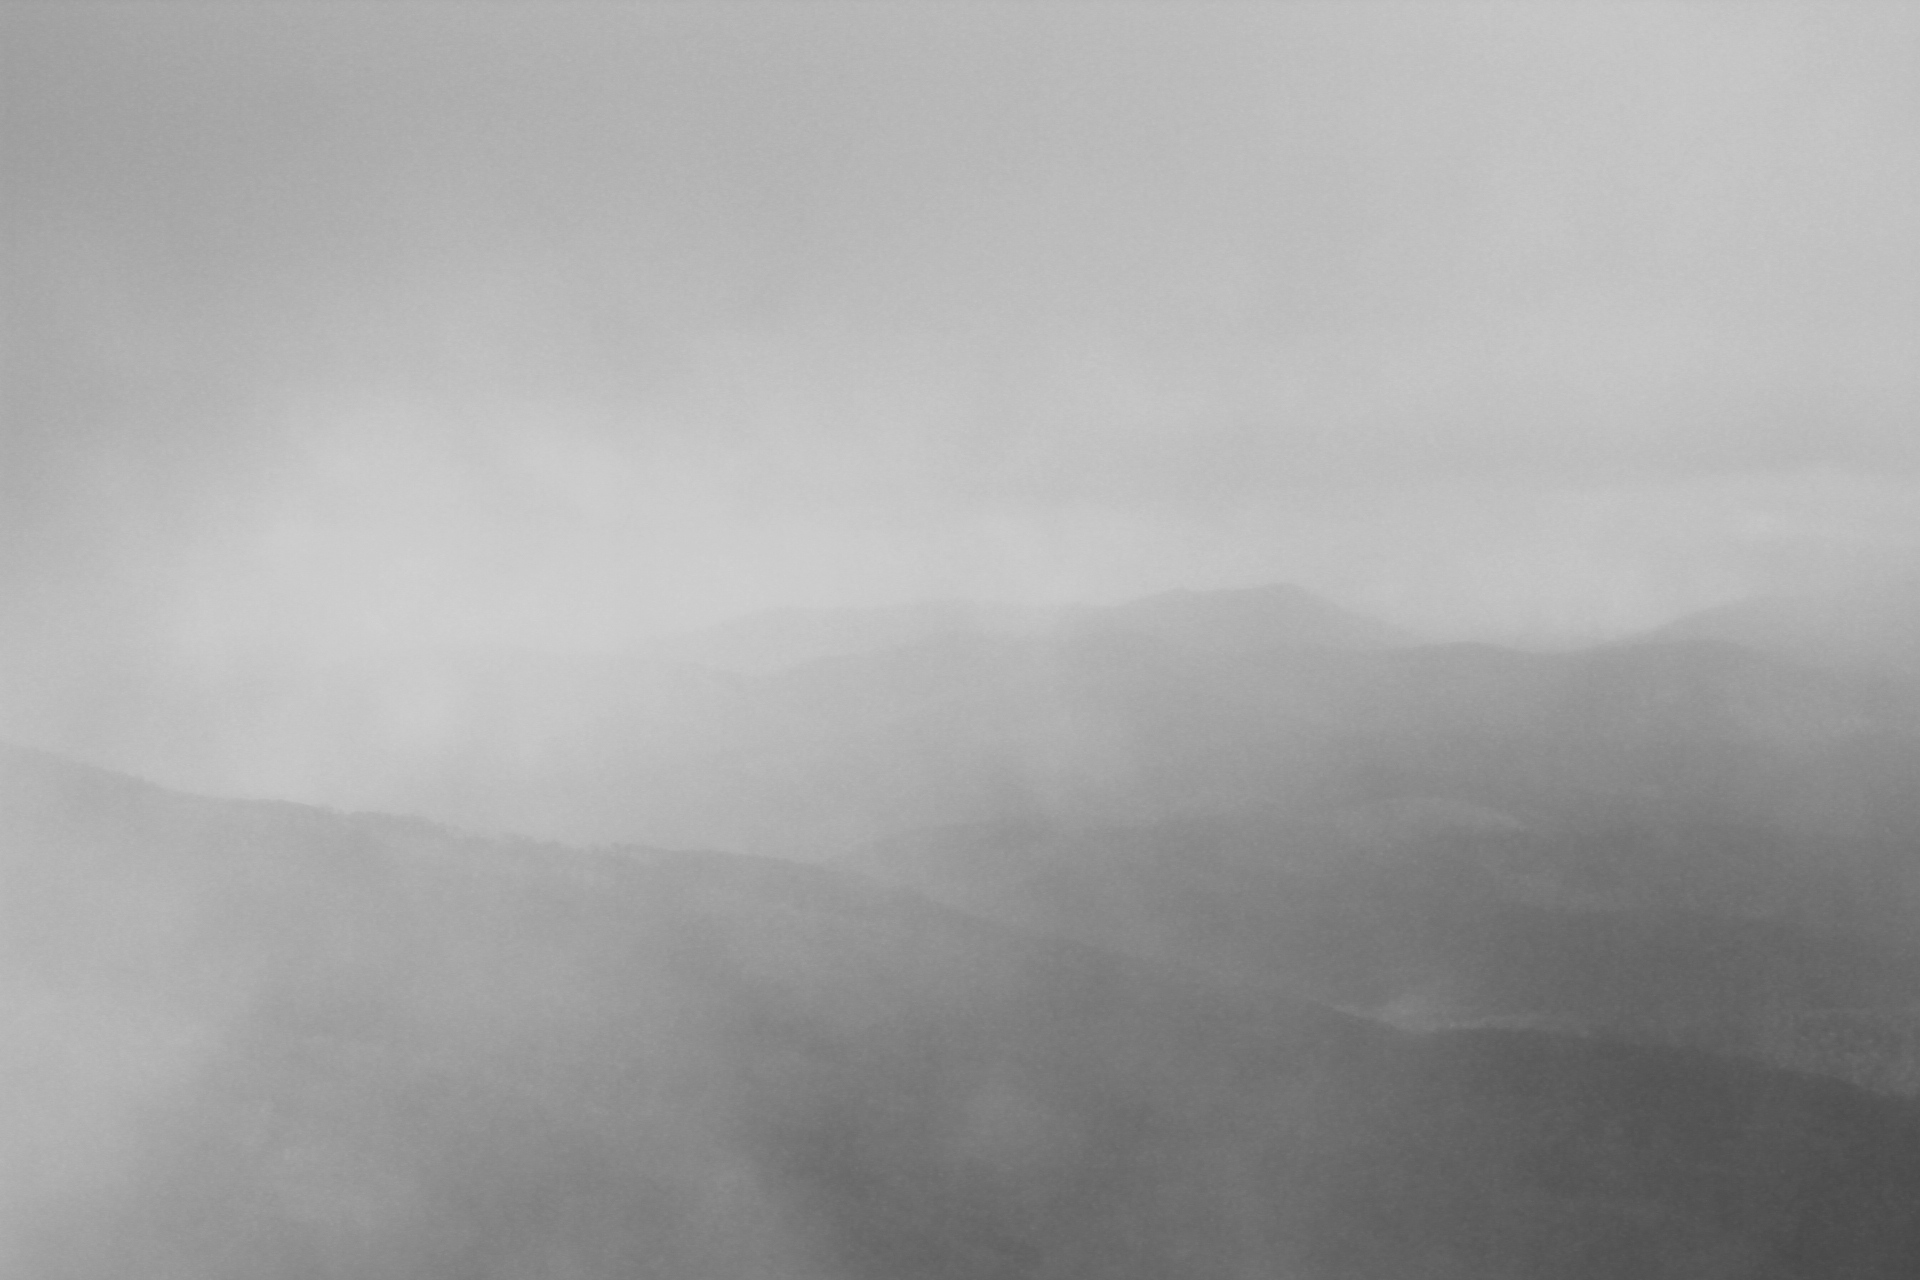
(959, 642)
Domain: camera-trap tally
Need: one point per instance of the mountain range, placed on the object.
(260, 1039)
(1179, 704)
(1211, 935)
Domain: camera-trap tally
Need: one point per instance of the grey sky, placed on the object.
(358, 325)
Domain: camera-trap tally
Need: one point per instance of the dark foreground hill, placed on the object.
(1435, 914)
(250, 1041)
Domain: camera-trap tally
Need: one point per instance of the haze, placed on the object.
(822, 641)
(332, 329)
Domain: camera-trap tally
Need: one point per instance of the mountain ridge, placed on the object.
(353, 1061)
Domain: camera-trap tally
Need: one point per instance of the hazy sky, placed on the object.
(359, 325)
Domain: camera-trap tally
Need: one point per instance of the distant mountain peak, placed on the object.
(1872, 627)
(1244, 618)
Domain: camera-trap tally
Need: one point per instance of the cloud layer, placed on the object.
(350, 327)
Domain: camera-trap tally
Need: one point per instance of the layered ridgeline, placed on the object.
(1791, 950)
(1176, 706)
(1675, 840)
(1863, 628)
(252, 1039)
(1683, 839)
(793, 732)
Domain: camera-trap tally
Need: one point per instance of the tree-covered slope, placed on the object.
(255, 1040)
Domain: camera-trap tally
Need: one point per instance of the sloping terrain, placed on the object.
(1438, 914)
(260, 1040)
(837, 728)
(1871, 629)
(1173, 706)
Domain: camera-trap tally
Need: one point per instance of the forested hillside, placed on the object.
(264, 1040)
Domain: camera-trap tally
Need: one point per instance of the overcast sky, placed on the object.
(353, 325)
